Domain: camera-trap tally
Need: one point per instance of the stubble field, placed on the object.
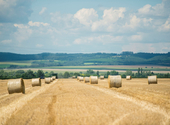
(68, 101)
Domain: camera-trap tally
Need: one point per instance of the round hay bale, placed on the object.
(101, 77)
(48, 80)
(115, 81)
(93, 80)
(16, 86)
(81, 79)
(78, 77)
(73, 77)
(152, 79)
(86, 79)
(51, 79)
(128, 77)
(54, 77)
(36, 82)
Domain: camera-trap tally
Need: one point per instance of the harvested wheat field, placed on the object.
(70, 102)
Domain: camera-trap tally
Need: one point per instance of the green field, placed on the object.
(5, 65)
(28, 63)
(132, 68)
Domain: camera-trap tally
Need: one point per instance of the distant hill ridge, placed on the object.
(125, 58)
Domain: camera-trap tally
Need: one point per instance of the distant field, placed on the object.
(116, 67)
(101, 68)
(28, 63)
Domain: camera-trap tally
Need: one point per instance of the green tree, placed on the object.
(71, 73)
(90, 71)
(1, 74)
(128, 72)
(97, 73)
(66, 75)
(40, 73)
(28, 74)
(76, 74)
(51, 73)
(114, 72)
(60, 75)
(141, 70)
(123, 76)
(107, 74)
(138, 71)
(19, 73)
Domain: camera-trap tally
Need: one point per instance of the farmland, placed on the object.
(68, 101)
(80, 59)
(101, 68)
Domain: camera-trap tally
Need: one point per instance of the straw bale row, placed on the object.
(18, 86)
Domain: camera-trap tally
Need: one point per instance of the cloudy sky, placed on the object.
(84, 26)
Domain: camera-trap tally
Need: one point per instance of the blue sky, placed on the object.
(79, 26)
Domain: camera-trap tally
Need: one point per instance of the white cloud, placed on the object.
(145, 9)
(6, 41)
(23, 32)
(165, 26)
(86, 16)
(77, 41)
(147, 21)
(101, 38)
(134, 22)
(37, 23)
(42, 10)
(21, 26)
(110, 16)
(157, 10)
(39, 45)
(136, 38)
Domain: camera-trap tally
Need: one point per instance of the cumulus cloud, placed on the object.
(37, 24)
(134, 22)
(165, 26)
(157, 10)
(23, 32)
(138, 30)
(110, 16)
(86, 16)
(15, 11)
(42, 10)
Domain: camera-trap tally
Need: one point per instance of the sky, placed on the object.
(84, 26)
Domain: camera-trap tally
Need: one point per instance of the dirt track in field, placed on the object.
(68, 101)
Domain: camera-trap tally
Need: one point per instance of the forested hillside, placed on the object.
(79, 59)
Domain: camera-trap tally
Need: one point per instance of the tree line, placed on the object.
(29, 74)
